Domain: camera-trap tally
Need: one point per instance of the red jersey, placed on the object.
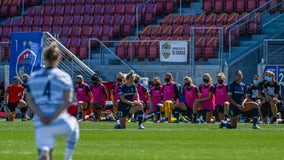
(15, 93)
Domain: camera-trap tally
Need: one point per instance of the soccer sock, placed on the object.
(158, 112)
(24, 111)
(194, 117)
(68, 154)
(176, 113)
(135, 116)
(254, 120)
(140, 116)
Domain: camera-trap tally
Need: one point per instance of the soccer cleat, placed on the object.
(182, 119)
(44, 154)
(141, 126)
(255, 127)
(176, 121)
(222, 124)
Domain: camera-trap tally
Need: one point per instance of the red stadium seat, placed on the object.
(160, 6)
(39, 11)
(76, 31)
(200, 19)
(250, 5)
(178, 19)
(58, 20)
(169, 6)
(150, 13)
(18, 21)
(16, 29)
(153, 50)
(83, 52)
(119, 9)
(210, 19)
(222, 19)
(281, 7)
(252, 27)
(210, 30)
(218, 5)
(120, 48)
(90, 1)
(118, 21)
(99, 9)
(68, 9)
(210, 45)
(232, 18)
(261, 2)
(89, 9)
(3, 10)
(70, 1)
(274, 4)
(48, 9)
(186, 30)
(240, 5)
(109, 9)
(9, 21)
(167, 20)
(87, 31)
(108, 20)
(46, 29)
(80, 1)
(198, 47)
(166, 31)
(59, 10)
(146, 31)
(77, 20)
(47, 21)
(131, 48)
(129, 22)
(13, 10)
(65, 41)
(130, 9)
(59, 2)
(229, 6)
(97, 32)
(28, 21)
(88, 20)
(177, 30)
(36, 29)
(5, 51)
(56, 29)
(142, 49)
(189, 19)
(26, 29)
(207, 5)
(98, 20)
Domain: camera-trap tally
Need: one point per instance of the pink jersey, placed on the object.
(156, 96)
(141, 93)
(98, 94)
(208, 104)
(81, 93)
(221, 94)
(168, 91)
(190, 95)
(115, 91)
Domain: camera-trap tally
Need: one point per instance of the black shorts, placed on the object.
(266, 109)
(220, 108)
(234, 111)
(123, 111)
(12, 106)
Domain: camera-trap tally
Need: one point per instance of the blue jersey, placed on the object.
(127, 92)
(237, 92)
(182, 97)
(47, 88)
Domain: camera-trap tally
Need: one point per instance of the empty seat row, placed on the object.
(239, 5)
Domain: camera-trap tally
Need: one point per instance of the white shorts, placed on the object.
(45, 135)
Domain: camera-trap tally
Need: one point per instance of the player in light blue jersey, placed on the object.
(49, 93)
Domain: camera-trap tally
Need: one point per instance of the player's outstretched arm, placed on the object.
(67, 101)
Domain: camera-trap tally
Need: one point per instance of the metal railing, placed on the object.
(69, 62)
(248, 18)
(273, 51)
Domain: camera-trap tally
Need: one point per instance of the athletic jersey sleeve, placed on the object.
(176, 92)
(230, 89)
(212, 89)
(120, 90)
(67, 83)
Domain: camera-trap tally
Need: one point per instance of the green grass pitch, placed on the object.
(99, 141)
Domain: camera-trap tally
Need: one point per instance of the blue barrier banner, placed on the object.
(281, 79)
(26, 51)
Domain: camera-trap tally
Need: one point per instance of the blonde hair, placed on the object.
(120, 74)
(222, 75)
(51, 53)
(188, 78)
(209, 76)
(130, 75)
(157, 79)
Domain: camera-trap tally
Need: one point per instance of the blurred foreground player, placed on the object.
(49, 93)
